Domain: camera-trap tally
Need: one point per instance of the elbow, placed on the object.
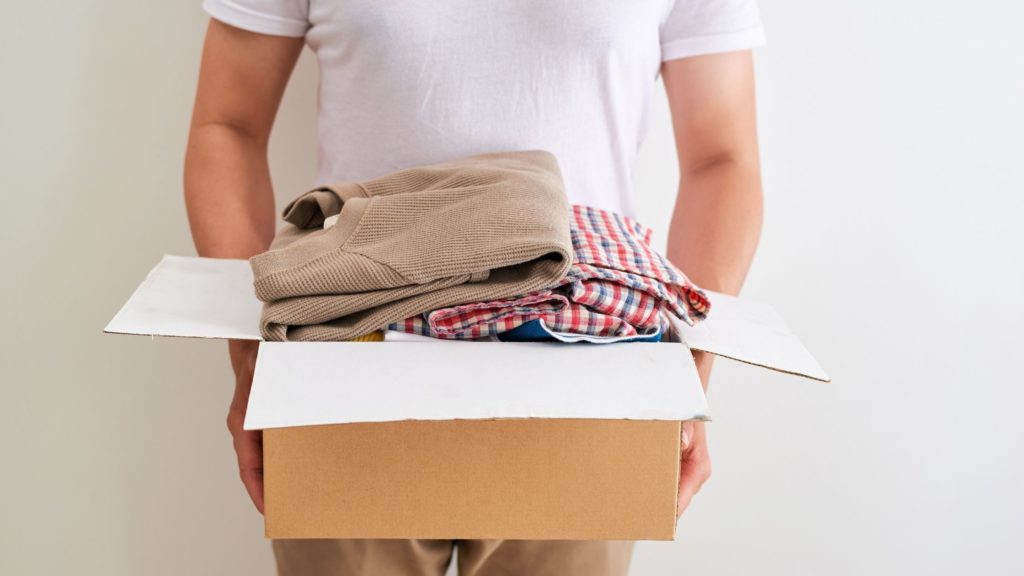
(221, 129)
(719, 161)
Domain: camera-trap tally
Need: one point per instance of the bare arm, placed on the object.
(228, 192)
(227, 180)
(717, 219)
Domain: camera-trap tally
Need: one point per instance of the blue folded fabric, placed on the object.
(537, 331)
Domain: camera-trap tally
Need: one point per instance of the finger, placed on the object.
(249, 447)
(689, 485)
(682, 503)
(253, 481)
(691, 478)
(694, 465)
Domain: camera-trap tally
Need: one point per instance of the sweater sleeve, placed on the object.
(695, 27)
(275, 17)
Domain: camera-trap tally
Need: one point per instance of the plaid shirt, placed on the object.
(617, 286)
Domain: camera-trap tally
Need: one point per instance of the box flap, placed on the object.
(308, 383)
(214, 298)
(191, 296)
(750, 332)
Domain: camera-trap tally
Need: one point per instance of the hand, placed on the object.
(695, 461)
(248, 443)
(694, 464)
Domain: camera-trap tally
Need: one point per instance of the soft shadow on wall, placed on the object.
(126, 465)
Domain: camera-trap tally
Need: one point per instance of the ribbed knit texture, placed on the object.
(477, 228)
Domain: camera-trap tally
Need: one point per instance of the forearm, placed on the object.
(715, 229)
(228, 192)
(716, 224)
(230, 204)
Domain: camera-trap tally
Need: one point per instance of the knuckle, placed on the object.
(233, 421)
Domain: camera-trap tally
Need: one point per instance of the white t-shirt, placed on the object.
(406, 83)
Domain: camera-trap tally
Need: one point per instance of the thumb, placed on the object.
(686, 434)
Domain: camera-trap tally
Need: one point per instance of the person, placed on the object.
(412, 83)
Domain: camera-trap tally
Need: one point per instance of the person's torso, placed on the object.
(406, 83)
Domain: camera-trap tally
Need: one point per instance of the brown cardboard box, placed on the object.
(472, 439)
(505, 478)
(463, 439)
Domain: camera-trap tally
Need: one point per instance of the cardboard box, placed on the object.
(448, 439)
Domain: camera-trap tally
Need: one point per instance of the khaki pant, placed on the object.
(431, 557)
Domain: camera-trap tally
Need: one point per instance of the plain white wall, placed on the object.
(892, 145)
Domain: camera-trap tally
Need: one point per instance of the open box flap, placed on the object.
(309, 383)
(214, 298)
(750, 332)
(194, 297)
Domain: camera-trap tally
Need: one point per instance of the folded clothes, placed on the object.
(480, 228)
(618, 287)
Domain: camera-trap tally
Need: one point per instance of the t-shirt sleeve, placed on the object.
(277, 17)
(696, 27)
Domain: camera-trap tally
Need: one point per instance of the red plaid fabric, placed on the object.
(617, 286)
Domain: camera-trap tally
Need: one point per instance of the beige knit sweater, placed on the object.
(478, 228)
